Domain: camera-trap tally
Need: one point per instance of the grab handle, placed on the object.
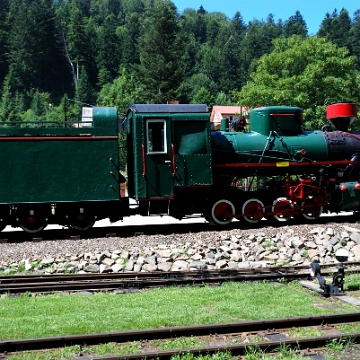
(143, 159)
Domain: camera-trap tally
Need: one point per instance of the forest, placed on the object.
(59, 55)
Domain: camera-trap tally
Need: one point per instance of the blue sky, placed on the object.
(313, 11)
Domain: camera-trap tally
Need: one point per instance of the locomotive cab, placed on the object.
(169, 154)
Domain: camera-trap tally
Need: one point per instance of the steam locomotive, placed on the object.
(301, 173)
(68, 173)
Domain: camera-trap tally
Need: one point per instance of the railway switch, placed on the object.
(337, 286)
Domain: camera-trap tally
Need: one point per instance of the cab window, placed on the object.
(156, 139)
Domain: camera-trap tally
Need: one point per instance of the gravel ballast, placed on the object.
(218, 249)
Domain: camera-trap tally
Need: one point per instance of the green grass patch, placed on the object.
(352, 282)
(304, 332)
(56, 315)
(179, 343)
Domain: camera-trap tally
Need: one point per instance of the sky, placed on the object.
(312, 11)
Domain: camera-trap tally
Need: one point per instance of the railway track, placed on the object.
(18, 284)
(271, 331)
(127, 229)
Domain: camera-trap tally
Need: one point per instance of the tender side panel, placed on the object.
(58, 170)
(54, 168)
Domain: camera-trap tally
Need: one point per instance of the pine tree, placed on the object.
(296, 25)
(4, 29)
(34, 57)
(336, 28)
(237, 26)
(251, 45)
(160, 50)
(354, 36)
(128, 36)
(7, 104)
(52, 60)
(271, 31)
(77, 40)
(38, 105)
(84, 94)
(212, 30)
(200, 25)
(342, 29)
(108, 56)
(230, 67)
(22, 44)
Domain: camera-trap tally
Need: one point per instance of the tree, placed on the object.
(128, 36)
(121, 93)
(200, 25)
(251, 46)
(194, 85)
(215, 23)
(336, 28)
(160, 51)
(34, 57)
(237, 25)
(231, 67)
(51, 60)
(310, 73)
(76, 41)
(7, 112)
(108, 59)
(208, 62)
(12, 103)
(271, 31)
(38, 105)
(354, 39)
(203, 96)
(223, 99)
(101, 9)
(4, 29)
(84, 94)
(296, 25)
(130, 8)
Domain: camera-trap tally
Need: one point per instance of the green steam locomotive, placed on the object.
(68, 173)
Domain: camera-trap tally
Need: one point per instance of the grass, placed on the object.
(305, 332)
(285, 353)
(55, 315)
(179, 343)
(339, 344)
(352, 282)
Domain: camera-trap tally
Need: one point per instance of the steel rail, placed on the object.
(150, 229)
(133, 284)
(236, 350)
(49, 283)
(20, 278)
(181, 331)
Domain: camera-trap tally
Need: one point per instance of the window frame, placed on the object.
(150, 138)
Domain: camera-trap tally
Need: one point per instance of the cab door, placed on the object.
(158, 156)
